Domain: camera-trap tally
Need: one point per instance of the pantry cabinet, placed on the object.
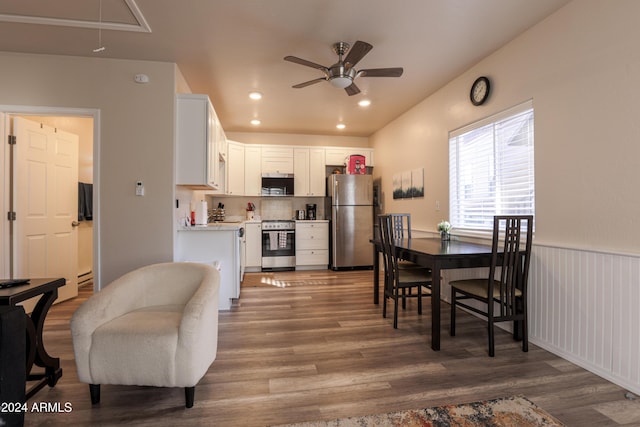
(312, 245)
(199, 136)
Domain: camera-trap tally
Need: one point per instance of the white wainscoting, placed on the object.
(584, 306)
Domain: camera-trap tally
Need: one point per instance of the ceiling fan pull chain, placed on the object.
(100, 48)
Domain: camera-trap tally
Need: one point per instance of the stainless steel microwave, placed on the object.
(277, 184)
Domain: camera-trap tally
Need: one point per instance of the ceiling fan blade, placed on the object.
(352, 89)
(309, 83)
(381, 72)
(357, 52)
(301, 61)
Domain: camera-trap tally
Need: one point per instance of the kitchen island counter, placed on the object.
(220, 247)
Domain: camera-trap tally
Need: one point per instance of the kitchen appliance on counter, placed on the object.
(311, 212)
(278, 245)
(301, 214)
(351, 205)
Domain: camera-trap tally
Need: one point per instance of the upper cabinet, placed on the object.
(235, 168)
(199, 138)
(309, 171)
(277, 159)
(252, 170)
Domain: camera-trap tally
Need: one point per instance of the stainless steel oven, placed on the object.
(278, 245)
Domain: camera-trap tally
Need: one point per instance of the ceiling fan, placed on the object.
(342, 74)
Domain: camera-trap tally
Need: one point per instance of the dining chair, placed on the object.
(401, 226)
(397, 281)
(504, 291)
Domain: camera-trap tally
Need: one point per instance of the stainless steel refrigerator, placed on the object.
(351, 199)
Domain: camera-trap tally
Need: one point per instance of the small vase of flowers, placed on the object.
(444, 227)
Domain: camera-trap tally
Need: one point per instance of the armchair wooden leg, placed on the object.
(94, 391)
(189, 394)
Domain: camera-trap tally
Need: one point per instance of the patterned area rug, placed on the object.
(504, 412)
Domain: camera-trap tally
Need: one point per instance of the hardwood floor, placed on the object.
(304, 346)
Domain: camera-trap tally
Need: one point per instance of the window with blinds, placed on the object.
(491, 169)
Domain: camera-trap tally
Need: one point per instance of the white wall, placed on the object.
(136, 143)
(581, 67)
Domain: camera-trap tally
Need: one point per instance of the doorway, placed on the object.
(83, 123)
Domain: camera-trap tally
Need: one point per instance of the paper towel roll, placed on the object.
(202, 213)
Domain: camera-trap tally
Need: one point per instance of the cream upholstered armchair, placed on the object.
(155, 326)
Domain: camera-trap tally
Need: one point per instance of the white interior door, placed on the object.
(46, 204)
(5, 249)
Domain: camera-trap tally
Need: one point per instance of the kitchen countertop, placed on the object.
(214, 226)
(235, 225)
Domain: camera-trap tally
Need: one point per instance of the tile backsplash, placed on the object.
(236, 207)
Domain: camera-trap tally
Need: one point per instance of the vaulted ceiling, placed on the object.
(228, 48)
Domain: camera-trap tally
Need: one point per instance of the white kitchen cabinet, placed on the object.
(197, 144)
(214, 245)
(312, 245)
(235, 168)
(253, 248)
(277, 159)
(317, 172)
(309, 172)
(252, 170)
(336, 156)
(301, 171)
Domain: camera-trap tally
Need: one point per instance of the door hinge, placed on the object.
(12, 140)
(11, 216)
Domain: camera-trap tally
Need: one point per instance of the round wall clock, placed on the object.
(480, 91)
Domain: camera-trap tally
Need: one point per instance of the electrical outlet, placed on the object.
(139, 188)
(437, 205)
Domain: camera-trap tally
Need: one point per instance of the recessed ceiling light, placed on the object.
(255, 95)
(341, 126)
(255, 122)
(364, 103)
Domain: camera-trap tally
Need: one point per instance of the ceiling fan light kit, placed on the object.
(342, 74)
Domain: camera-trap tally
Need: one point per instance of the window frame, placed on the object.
(455, 202)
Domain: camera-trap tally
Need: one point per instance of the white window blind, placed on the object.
(491, 169)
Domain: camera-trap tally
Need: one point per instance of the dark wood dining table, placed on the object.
(437, 255)
(47, 291)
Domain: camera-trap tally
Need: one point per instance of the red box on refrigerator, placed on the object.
(356, 165)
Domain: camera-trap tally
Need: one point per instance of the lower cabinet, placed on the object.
(218, 246)
(253, 248)
(312, 245)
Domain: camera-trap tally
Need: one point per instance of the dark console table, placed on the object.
(47, 290)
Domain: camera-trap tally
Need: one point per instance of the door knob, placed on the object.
(75, 223)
